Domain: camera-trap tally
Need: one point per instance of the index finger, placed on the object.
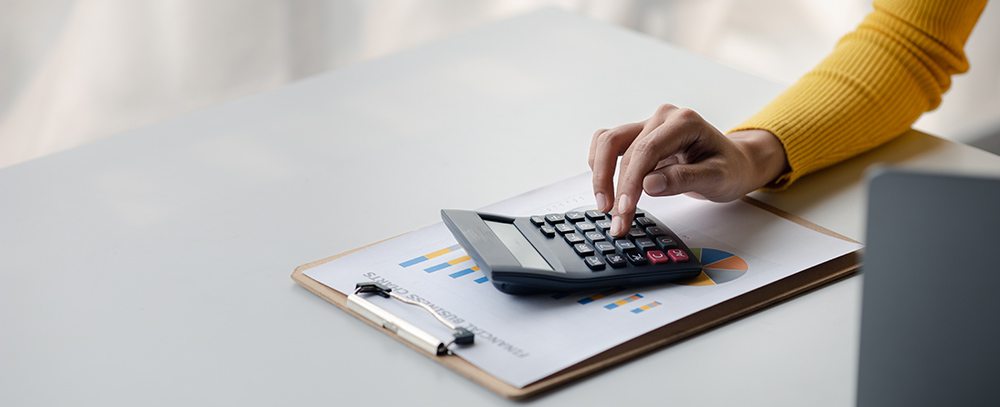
(640, 159)
(605, 148)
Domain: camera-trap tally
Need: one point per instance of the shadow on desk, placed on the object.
(824, 185)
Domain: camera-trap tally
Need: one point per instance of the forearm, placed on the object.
(876, 83)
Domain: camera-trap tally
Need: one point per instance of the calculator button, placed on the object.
(616, 260)
(603, 225)
(548, 231)
(655, 231)
(657, 257)
(636, 233)
(583, 249)
(594, 236)
(677, 255)
(537, 220)
(624, 245)
(636, 258)
(639, 213)
(594, 215)
(564, 228)
(595, 263)
(644, 221)
(554, 218)
(575, 216)
(645, 243)
(604, 247)
(585, 227)
(573, 238)
(666, 242)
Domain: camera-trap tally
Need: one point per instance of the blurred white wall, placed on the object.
(75, 71)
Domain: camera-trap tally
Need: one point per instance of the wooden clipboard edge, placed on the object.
(701, 321)
(795, 219)
(453, 362)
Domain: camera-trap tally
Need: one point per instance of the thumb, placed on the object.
(674, 179)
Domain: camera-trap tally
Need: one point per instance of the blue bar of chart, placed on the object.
(447, 264)
(464, 272)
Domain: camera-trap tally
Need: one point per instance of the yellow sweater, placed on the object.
(876, 83)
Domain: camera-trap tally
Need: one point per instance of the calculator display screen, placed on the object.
(518, 245)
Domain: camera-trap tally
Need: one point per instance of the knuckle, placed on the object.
(598, 133)
(626, 160)
(606, 136)
(687, 115)
(665, 109)
(644, 147)
(612, 139)
(682, 176)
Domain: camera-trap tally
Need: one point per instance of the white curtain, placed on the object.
(74, 71)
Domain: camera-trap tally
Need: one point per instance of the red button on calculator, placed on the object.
(677, 255)
(657, 257)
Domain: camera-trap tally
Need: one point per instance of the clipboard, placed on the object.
(708, 318)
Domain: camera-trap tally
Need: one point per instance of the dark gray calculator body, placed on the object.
(572, 251)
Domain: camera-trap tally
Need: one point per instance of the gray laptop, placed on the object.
(930, 325)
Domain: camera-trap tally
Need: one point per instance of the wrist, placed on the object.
(765, 153)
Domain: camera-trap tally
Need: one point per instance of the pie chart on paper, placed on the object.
(718, 267)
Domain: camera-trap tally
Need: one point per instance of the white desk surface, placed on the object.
(152, 268)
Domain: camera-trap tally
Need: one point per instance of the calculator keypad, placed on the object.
(604, 247)
(624, 245)
(615, 260)
(583, 249)
(574, 216)
(657, 257)
(646, 244)
(677, 255)
(594, 236)
(594, 262)
(564, 228)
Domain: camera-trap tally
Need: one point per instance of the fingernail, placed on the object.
(617, 225)
(655, 183)
(623, 203)
(602, 202)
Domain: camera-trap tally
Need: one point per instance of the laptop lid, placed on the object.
(930, 324)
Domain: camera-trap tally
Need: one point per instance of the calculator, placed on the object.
(572, 251)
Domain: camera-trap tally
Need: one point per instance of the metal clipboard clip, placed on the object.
(405, 330)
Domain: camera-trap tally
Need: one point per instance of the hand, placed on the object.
(676, 151)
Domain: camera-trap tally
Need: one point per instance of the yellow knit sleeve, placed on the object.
(877, 82)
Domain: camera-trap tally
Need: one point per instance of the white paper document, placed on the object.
(522, 339)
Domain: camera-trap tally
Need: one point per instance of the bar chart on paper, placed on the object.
(450, 260)
(612, 299)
